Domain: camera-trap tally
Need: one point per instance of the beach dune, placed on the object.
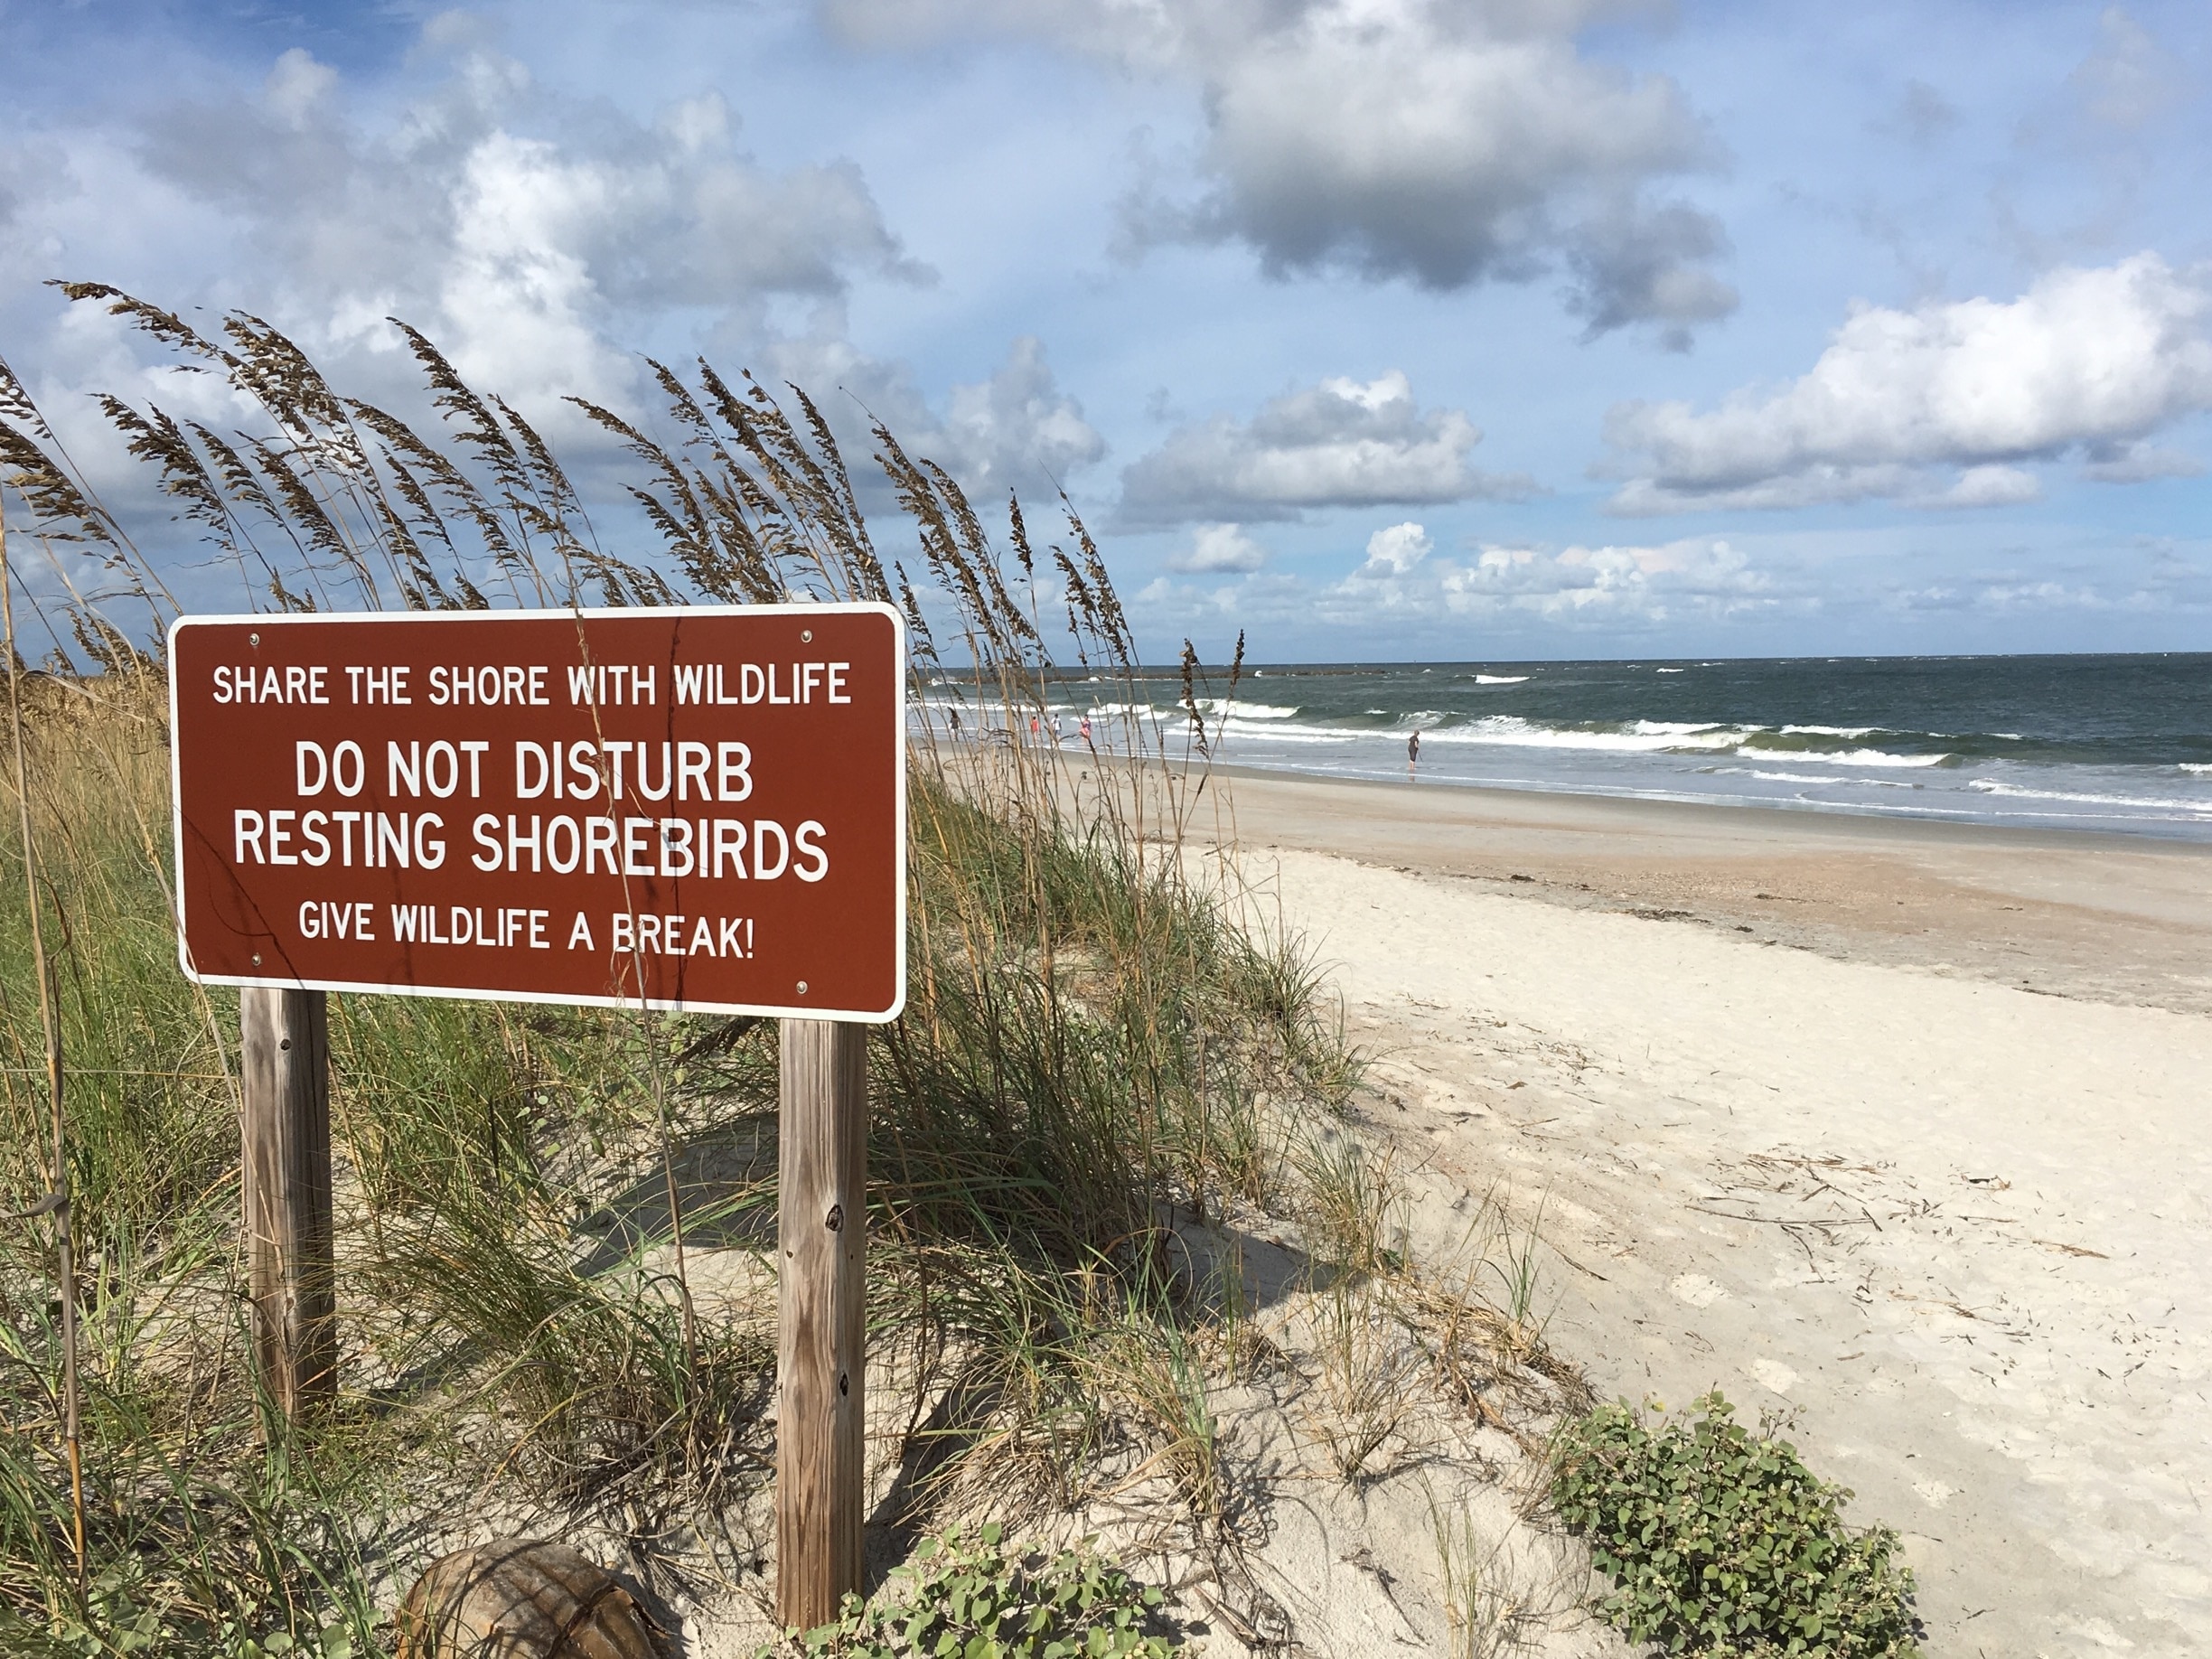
(1899, 1129)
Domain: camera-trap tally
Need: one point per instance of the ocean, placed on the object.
(2118, 744)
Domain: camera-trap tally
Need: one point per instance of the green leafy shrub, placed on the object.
(1719, 1541)
(983, 1600)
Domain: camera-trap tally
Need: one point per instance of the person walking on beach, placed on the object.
(1412, 752)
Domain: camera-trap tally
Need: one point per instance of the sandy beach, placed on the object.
(1897, 1127)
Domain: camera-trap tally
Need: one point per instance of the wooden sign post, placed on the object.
(701, 810)
(821, 1231)
(283, 1077)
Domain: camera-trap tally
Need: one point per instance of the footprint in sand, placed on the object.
(1695, 1288)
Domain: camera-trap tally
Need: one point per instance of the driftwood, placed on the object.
(520, 1598)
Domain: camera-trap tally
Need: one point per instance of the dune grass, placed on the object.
(1095, 1045)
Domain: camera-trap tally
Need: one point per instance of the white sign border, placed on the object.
(575, 614)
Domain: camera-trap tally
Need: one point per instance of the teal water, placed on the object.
(2105, 743)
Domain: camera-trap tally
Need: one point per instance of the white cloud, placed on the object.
(1610, 584)
(1406, 589)
(296, 86)
(1440, 143)
(540, 238)
(520, 229)
(1218, 549)
(1395, 551)
(1016, 430)
(1992, 485)
(1343, 443)
(1943, 405)
(2143, 463)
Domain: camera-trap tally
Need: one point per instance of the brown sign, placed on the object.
(700, 809)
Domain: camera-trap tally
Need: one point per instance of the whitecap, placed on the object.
(1806, 777)
(2012, 792)
(1647, 736)
(1501, 679)
(1246, 711)
(1853, 757)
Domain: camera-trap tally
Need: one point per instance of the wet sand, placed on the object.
(2108, 918)
(1900, 1128)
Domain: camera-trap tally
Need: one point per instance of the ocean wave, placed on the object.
(1636, 737)
(1645, 737)
(1808, 777)
(1670, 670)
(2013, 791)
(1501, 679)
(1829, 731)
(1284, 733)
(1239, 709)
(1685, 729)
(1853, 757)
(2196, 767)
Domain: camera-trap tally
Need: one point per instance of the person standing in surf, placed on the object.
(1413, 753)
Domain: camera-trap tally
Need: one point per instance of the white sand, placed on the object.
(1990, 1308)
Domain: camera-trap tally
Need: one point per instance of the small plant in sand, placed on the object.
(1369, 1372)
(1350, 1208)
(1719, 1541)
(982, 1596)
(1489, 1607)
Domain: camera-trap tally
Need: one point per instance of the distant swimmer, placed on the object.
(1412, 751)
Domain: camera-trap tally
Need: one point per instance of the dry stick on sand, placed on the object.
(57, 1200)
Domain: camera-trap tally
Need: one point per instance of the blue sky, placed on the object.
(1535, 328)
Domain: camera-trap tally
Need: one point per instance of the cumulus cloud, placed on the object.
(1946, 405)
(539, 238)
(1395, 551)
(1409, 589)
(1218, 549)
(1438, 143)
(2142, 463)
(1612, 584)
(1343, 443)
(1016, 430)
(512, 224)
